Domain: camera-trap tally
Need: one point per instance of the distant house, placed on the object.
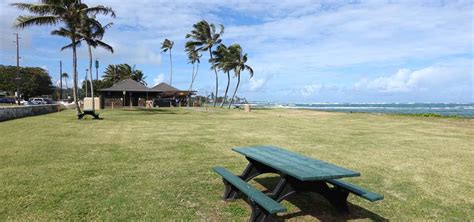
(129, 92)
(3, 94)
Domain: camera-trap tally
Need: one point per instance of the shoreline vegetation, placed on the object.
(155, 164)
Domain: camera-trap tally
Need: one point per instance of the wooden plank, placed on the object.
(264, 201)
(294, 164)
(359, 191)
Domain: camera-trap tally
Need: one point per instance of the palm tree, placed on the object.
(165, 46)
(193, 58)
(92, 32)
(221, 61)
(237, 62)
(204, 38)
(67, 12)
(111, 74)
(139, 76)
(65, 76)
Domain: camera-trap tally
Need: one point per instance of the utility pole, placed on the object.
(17, 69)
(60, 80)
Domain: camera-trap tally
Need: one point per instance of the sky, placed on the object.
(301, 51)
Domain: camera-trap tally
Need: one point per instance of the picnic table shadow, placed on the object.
(316, 206)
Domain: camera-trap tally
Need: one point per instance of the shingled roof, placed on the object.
(164, 87)
(128, 85)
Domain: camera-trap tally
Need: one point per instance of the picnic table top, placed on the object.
(296, 165)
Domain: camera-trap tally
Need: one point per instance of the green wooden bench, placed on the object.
(359, 191)
(263, 207)
(88, 112)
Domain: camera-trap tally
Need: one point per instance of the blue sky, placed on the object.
(301, 51)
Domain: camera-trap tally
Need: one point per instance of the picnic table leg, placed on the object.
(252, 170)
(258, 214)
(289, 185)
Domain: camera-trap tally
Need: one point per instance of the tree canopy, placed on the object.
(34, 81)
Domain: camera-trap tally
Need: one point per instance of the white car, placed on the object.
(37, 101)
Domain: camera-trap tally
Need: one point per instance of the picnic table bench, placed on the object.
(298, 173)
(88, 112)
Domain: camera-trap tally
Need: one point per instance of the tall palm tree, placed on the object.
(221, 62)
(65, 76)
(204, 37)
(92, 32)
(237, 60)
(165, 46)
(67, 12)
(193, 58)
(115, 73)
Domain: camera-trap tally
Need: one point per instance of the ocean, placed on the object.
(444, 109)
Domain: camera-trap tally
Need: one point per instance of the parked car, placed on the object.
(37, 101)
(7, 100)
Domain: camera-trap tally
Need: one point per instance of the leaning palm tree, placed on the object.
(165, 46)
(237, 60)
(193, 58)
(65, 76)
(204, 37)
(67, 12)
(221, 62)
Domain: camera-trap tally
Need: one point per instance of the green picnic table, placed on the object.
(298, 173)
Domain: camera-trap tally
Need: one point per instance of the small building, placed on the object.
(129, 92)
(171, 95)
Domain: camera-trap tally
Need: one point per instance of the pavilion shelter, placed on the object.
(171, 96)
(126, 93)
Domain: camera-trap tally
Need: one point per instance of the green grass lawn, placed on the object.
(156, 164)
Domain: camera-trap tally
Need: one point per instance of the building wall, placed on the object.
(15, 112)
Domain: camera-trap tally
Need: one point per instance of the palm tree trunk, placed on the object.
(67, 91)
(90, 74)
(74, 67)
(236, 88)
(171, 64)
(217, 80)
(192, 79)
(191, 86)
(226, 89)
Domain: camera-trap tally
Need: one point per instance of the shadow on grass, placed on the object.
(153, 111)
(311, 204)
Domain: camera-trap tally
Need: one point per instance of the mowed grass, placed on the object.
(156, 164)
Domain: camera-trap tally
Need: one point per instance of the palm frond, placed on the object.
(105, 46)
(100, 9)
(26, 21)
(70, 45)
(39, 9)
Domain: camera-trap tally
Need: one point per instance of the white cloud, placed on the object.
(432, 79)
(159, 79)
(256, 84)
(309, 90)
